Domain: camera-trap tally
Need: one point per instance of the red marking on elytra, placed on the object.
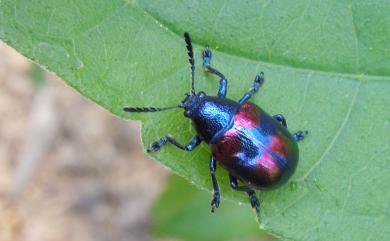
(278, 145)
(267, 163)
(227, 146)
(247, 117)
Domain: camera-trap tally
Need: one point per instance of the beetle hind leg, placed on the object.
(251, 193)
(207, 67)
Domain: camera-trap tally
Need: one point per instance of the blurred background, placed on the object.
(70, 170)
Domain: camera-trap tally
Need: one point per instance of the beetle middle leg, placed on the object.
(280, 118)
(300, 135)
(252, 194)
(297, 136)
(155, 146)
(207, 67)
(216, 196)
(259, 80)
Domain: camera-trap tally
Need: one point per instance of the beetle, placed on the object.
(254, 147)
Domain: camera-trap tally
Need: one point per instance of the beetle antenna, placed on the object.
(150, 109)
(187, 39)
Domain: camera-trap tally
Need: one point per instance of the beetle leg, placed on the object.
(216, 195)
(252, 194)
(155, 146)
(298, 136)
(281, 119)
(259, 80)
(206, 65)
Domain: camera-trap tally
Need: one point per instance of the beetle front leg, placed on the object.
(259, 80)
(206, 65)
(155, 146)
(251, 193)
(280, 118)
(216, 196)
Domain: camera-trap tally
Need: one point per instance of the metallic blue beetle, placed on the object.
(254, 147)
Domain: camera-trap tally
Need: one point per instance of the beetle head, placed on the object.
(190, 102)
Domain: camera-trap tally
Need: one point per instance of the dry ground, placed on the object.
(69, 170)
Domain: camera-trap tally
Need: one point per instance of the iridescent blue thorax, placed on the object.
(211, 116)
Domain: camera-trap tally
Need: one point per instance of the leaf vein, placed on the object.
(341, 128)
(354, 31)
(354, 76)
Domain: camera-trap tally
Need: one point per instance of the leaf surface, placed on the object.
(327, 68)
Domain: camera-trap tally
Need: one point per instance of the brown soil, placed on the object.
(69, 170)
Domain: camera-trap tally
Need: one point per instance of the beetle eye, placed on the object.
(187, 113)
(201, 94)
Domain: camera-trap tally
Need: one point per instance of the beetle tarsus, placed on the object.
(254, 200)
(215, 201)
(257, 82)
(216, 196)
(207, 67)
(207, 63)
(280, 118)
(206, 57)
(251, 193)
(300, 135)
(155, 146)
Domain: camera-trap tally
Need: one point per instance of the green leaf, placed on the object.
(327, 70)
(181, 212)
